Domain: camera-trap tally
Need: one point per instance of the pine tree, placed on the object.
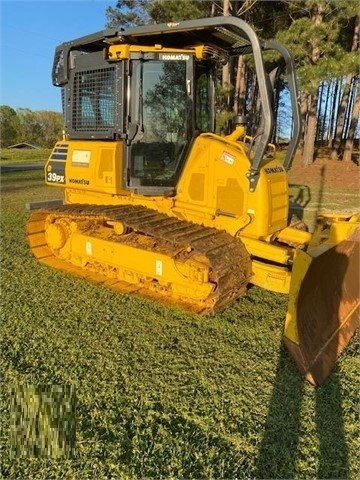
(349, 142)
(316, 39)
(128, 13)
(139, 12)
(351, 82)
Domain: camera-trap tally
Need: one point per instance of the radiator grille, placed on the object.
(93, 107)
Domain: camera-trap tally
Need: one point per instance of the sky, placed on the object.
(30, 31)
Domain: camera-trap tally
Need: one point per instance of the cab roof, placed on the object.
(230, 34)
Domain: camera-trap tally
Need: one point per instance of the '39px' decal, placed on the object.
(55, 172)
(56, 178)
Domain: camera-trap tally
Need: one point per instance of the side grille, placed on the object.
(93, 106)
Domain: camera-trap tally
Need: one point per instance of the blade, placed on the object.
(326, 313)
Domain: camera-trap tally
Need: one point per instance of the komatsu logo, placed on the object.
(79, 181)
(174, 56)
(274, 169)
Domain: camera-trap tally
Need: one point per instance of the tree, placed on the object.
(349, 142)
(42, 128)
(9, 126)
(51, 125)
(316, 38)
(167, 107)
(30, 128)
(128, 13)
(139, 12)
(308, 33)
(351, 80)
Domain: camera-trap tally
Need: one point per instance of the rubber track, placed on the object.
(229, 260)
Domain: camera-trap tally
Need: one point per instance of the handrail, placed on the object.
(294, 98)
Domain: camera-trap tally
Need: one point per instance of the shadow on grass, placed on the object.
(333, 460)
(283, 427)
(299, 197)
(325, 323)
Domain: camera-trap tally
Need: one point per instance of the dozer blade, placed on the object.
(323, 312)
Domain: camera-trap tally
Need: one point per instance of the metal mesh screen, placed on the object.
(93, 107)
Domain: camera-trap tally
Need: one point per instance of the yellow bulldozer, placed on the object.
(157, 204)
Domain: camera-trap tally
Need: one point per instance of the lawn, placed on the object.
(23, 155)
(161, 393)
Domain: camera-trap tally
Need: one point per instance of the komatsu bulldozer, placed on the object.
(156, 203)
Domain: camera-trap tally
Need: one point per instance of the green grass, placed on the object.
(162, 393)
(309, 201)
(23, 155)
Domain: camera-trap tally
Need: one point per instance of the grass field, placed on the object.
(161, 393)
(23, 155)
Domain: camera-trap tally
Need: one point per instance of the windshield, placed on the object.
(160, 121)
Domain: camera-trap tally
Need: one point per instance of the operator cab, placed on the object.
(151, 89)
(170, 103)
(155, 102)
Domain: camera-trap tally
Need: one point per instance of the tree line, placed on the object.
(42, 128)
(323, 36)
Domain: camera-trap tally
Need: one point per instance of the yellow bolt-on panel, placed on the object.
(271, 277)
(230, 197)
(87, 166)
(197, 187)
(124, 51)
(222, 164)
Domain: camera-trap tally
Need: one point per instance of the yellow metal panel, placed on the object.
(267, 251)
(271, 277)
(221, 167)
(230, 197)
(294, 236)
(301, 264)
(197, 187)
(106, 162)
(91, 166)
(224, 163)
(341, 230)
(122, 52)
(278, 201)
